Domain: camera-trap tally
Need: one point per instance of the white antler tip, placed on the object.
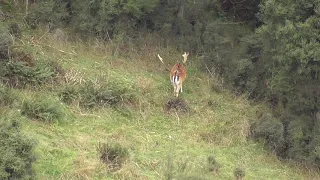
(160, 58)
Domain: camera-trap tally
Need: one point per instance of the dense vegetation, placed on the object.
(266, 50)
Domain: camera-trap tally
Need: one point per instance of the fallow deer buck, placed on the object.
(178, 74)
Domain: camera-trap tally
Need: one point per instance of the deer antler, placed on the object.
(160, 58)
(185, 57)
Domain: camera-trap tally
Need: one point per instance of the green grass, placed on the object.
(217, 123)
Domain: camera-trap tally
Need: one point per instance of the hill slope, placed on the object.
(206, 140)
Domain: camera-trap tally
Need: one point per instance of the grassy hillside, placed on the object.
(206, 138)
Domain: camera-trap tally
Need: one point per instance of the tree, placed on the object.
(291, 35)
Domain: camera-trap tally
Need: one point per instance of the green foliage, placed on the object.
(48, 12)
(15, 30)
(98, 94)
(96, 17)
(5, 43)
(226, 47)
(289, 36)
(18, 74)
(241, 10)
(7, 97)
(16, 151)
(299, 131)
(287, 56)
(22, 70)
(313, 147)
(43, 109)
(113, 155)
(271, 130)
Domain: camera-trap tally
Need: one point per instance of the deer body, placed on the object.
(178, 74)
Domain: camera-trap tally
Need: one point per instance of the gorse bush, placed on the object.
(44, 109)
(16, 151)
(90, 94)
(113, 155)
(22, 70)
(17, 74)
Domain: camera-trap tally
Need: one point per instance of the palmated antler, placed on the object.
(185, 57)
(160, 58)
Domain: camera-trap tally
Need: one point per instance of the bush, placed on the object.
(113, 155)
(16, 152)
(18, 75)
(90, 94)
(298, 136)
(271, 130)
(43, 109)
(22, 70)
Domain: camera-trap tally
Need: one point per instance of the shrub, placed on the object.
(23, 70)
(18, 75)
(16, 152)
(271, 130)
(298, 136)
(43, 109)
(99, 94)
(113, 155)
(70, 94)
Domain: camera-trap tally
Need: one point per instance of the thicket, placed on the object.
(17, 151)
(266, 49)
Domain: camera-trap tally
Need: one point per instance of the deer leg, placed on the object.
(174, 88)
(178, 89)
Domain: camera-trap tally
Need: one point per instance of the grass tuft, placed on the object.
(239, 173)
(213, 165)
(113, 155)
